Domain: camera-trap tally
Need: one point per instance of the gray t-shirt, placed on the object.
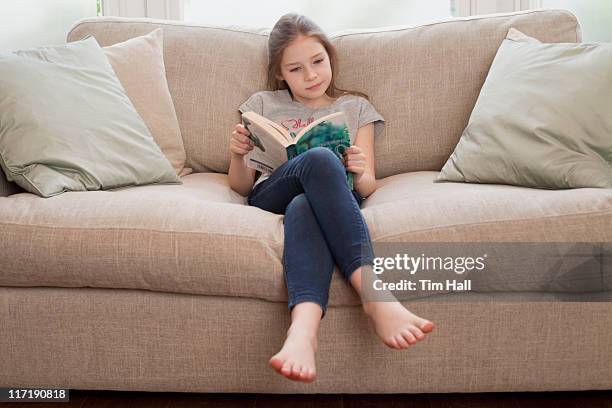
(279, 107)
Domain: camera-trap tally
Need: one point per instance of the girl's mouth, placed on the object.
(313, 87)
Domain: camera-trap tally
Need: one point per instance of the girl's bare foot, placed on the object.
(296, 359)
(396, 326)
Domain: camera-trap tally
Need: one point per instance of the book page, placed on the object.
(332, 117)
(269, 151)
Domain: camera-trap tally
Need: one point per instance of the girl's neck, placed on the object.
(323, 101)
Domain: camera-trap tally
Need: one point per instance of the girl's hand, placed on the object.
(355, 162)
(240, 144)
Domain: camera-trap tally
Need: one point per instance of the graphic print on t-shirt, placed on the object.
(294, 125)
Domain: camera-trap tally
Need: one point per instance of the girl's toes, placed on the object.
(408, 336)
(401, 341)
(276, 363)
(286, 370)
(418, 334)
(296, 371)
(304, 374)
(427, 326)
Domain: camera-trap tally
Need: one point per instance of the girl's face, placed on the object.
(306, 69)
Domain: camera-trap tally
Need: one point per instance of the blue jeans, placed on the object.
(323, 223)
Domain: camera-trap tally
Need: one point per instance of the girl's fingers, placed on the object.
(242, 139)
(239, 129)
(243, 130)
(241, 152)
(355, 170)
(357, 163)
(357, 157)
(241, 145)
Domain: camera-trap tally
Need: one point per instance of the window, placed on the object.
(331, 16)
(595, 16)
(34, 23)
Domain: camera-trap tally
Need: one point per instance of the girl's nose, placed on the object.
(310, 75)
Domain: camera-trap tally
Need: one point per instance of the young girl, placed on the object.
(323, 224)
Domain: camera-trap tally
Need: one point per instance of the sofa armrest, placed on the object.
(8, 188)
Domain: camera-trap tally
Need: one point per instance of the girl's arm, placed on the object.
(360, 161)
(241, 177)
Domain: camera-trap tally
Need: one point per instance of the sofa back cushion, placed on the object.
(67, 124)
(139, 65)
(210, 72)
(424, 80)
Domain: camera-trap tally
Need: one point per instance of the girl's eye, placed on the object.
(316, 62)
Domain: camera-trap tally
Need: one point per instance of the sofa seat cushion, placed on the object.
(198, 237)
(201, 238)
(410, 207)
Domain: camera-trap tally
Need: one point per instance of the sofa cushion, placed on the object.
(198, 237)
(543, 118)
(424, 80)
(139, 65)
(66, 123)
(201, 238)
(206, 85)
(413, 208)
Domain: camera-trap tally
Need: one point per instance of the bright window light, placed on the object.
(331, 16)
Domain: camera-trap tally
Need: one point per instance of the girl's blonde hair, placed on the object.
(288, 28)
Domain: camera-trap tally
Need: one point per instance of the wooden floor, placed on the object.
(115, 399)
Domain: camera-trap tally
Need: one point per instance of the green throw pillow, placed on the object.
(67, 124)
(543, 118)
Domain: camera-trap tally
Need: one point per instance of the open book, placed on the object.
(274, 145)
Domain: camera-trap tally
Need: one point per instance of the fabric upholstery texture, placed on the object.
(543, 118)
(139, 65)
(216, 245)
(150, 341)
(66, 124)
(401, 69)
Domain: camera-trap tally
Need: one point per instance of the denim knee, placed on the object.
(323, 159)
(298, 203)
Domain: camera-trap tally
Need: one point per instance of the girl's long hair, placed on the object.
(288, 28)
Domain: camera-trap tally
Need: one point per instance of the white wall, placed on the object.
(329, 15)
(595, 17)
(33, 23)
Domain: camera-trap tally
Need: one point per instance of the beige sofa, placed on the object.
(181, 288)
